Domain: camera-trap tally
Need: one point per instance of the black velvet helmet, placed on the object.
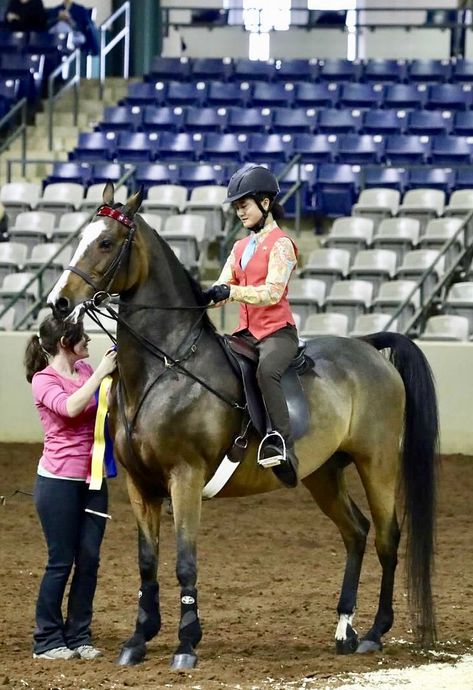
(250, 180)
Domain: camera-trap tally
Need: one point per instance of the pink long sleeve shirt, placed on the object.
(67, 440)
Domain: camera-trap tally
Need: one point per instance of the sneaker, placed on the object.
(58, 653)
(87, 651)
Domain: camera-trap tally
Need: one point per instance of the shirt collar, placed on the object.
(264, 232)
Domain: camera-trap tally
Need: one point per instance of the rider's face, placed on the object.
(248, 211)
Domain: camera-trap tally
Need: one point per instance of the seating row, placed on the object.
(237, 119)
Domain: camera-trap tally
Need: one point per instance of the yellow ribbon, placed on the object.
(98, 452)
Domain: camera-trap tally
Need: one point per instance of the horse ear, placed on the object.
(108, 194)
(133, 203)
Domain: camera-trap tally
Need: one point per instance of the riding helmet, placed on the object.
(250, 180)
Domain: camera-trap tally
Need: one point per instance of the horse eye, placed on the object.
(105, 244)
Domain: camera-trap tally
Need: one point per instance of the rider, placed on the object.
(256, 274)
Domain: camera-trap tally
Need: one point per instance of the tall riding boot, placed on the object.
(281, 457)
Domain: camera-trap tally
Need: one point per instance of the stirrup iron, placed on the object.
(274, 438)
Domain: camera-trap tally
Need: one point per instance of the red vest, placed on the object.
(260, 321)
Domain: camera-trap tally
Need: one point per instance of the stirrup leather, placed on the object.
(274, 438)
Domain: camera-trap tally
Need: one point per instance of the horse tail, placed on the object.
(419, 470)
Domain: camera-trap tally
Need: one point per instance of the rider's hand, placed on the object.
(107, 364)
(217, 293)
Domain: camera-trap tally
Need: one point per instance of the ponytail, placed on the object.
(36, 358)
(45, 344)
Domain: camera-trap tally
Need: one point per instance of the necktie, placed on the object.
(249, 251)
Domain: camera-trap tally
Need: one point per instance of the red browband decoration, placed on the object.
(116, 214)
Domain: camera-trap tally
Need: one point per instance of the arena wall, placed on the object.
(452, 364)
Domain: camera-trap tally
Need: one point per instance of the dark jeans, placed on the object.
(73, 538)
(276, 352)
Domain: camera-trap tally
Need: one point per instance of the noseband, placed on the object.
(116, 263)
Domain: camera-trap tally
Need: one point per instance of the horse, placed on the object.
(177, 405)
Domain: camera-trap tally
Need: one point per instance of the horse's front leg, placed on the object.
(186, 492)
(148, 621)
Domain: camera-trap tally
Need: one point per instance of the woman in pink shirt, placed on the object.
(64, 387)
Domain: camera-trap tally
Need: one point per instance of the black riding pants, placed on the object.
(276, 352)
(73, 538)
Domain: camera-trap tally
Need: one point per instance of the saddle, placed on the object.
(244, 359)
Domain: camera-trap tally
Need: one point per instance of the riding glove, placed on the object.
(217, 293)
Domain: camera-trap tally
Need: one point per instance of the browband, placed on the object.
(116, 214)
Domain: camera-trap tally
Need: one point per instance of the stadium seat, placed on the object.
(464, 178)
(162, 118)
(428, 71)
(207, 201)
(306, 296)
(428, 122)
(359, 149)
(449, 150)
(178, 93)
(332, 121)
(106, 172)
(169, 68)
(390, 297)
(271, 95)
(350, 233)
(459, 302)
(12, 41)
(361, 96)
(208, 69)
(431, 178)
(145, 93)
(349, 297)
(327, 265)
(377, 203)
(388, 178)
(188, 233)
(339, 70)
(227, 94)
(296, 69)
(32, 227)
(70, 222)
(399, 235)
(379, 121)
(336, 188)
(446, 327)
(253, 70)
(148, 174)
(139, 146)
(381, 71)
(154, 221)
(29, 69)
(406, 149)
(324, 324)
(12, 284)
(7, 321)
(462, 71)
(245, 120)
(404, 96)
(423, 204)
(463, 123)
(307, 95)
(315, 148)
(449, 97)
(18, 197)
(69, 172)
(121, 118)
(438, 232)
(183, 146)
(95, 146)
(293, 120)
(374, 266)
(191, 176)
(373, 323)
(224, 148)
(204, 119)
(42, 253)
(460, 203)
(268, 148)
(12, 257)
(61, 197)
(416, 263)
(165, 200)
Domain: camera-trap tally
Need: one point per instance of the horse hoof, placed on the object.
(183, 662)
(350, 644)
(130, 656)
(368, 646)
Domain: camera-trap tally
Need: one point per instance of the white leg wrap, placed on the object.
(343, 622)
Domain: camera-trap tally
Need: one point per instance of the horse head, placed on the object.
(106, 259)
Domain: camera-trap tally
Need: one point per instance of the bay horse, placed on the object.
(176, 407)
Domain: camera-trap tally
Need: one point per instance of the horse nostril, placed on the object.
(62, 306)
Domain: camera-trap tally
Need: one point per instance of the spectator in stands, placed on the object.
(26, 15)
(64, 389)
(256, 274)
(71, 17)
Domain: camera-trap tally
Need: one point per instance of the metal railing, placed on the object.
(107, 47)
(72, 82)
(20, 131)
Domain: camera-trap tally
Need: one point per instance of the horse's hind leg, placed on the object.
(148, 621)
(327, 486)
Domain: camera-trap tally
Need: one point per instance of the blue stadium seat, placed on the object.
(338, 70)
(406, 149)
(379, 121)
(384, 71)
(463, 123)
(95, 146)
(184, 93)
(144, 93)
(431, 178)
(103, 172)
(296, 69)
(428, 71)
(462, 71)
(428, 122)
(449, 150)
(9, 90)
(223, 148)
(307, 177)
(162, 118)
(464, 178)
(406, 96)
(252, 70)
(207, 69)
(449, 96)
(307, 95)
(183, 146)
(293, 120)
(358, 149)
(390, 178)
(269, 147)
(205, 119)
(70, 172)
(29, 69)
(121, 118)
(149, 174)
(332, 121)
(162, 68)
(223, 94)
(271, 95)
(336, 189)
(361, 96)
(12, 41)
(191, 176)
(315, 148)
(44, 43)
(248, 119)
(136, 146)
